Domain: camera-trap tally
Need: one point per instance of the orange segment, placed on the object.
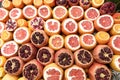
(50, 3)
(115, 29)
(22, 22)
(97, 3)
(2, 61)
(6, 35)
(7, 4)
(102, 37)
(18, 3)
(1, 42)
(37, 3)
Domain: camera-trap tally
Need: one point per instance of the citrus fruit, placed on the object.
(22, 35)
(75, 73)
(104, 23)
(7, 4)
(91, 13)
(61, 3)
(9, 49)
(56, 42)
(2, 61)
(10, 77)
(22, 23)
(6, 35)
(115, 29)
(21, 78)
(60, 13)
(1, 42)
(116, 17)
(45, 55)
(52, 72)
(102, 54)
(39, 38)
(13, 65)
(52, 26)
(85, 3)
(45, 12)
(73, 2)
(32, 70)
(2, 27)
(2, 72)
(37, 3)
(114, 43)
(83, 58)
(102, 37)
(69, 26)
(64, 58)
(115, 63)
(29, 11)
(72, 42)
(28, 2)
(18, 3)
(3, 14)
(97, 3)
(15, 13)
(76, 12)
(85, 26)
(50, 3)
(88, 41)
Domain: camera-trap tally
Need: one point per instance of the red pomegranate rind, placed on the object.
(85, 3)
(32, 70)
(2, 27)
(92, 13)
(3, 14)
(75, 73)
(69, 26)
(15, 13)
(104, 23)
(76, 12)
(9, 49)
(73, 2)
(99, 72)
(45, 55)
(72, 42)
(29, 12)
(102, 54)
(64, 58)
(14, 66)
(27, 52)
(114, 43)
(83, 58)
(85, 26)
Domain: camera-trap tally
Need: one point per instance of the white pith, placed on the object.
(5, 14)
(118, 49)
(52, 20)
(18, 14)
(45, 75)
(103, 26)
(80, 26)
(2, 28)
(32, 7)
(77, 7)
(5, 45)
(73, 21)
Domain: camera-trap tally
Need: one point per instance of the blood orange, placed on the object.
(45, 12)
(60, 12)
(7, 4)
(116, 17)
(88, 41)
(72, 42)
(69, 26)
(92, 13)
(29, 11)
(75, 73)
(2, 27)
(3, 14)
(104, 23)
(56, 42)
(22, 35)
(85, 26)
(15, 13)
(76, 12)
(52, 72)
(9, 49)
(52, 26)
(115, 29)
(37, 3)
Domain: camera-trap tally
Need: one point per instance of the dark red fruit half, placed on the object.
(39, 38)
(102, 54)
(61, 2)
(32, 70)
(85, 3)
(99, 72)
(83, 58)
(64, 58)
(73, 2)
(13, 66)
(27, 52)
(45, 55)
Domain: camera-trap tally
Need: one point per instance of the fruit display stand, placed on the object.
(59, 40)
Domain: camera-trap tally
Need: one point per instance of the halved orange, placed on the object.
(18, 3)
(22, 23)
(115, 29)
(37, 3)
(2, 27)
(2, 61)
(102, 37)
(97, 3)
(1, 42)
(50, 3)
(4, 14)
(7, 4)
(27, 2)
(116, 17)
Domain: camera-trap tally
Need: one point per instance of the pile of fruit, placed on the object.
(59, 40)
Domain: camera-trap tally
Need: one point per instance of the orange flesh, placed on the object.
(73, 41)
(117, 42)
(14, 13)
(70, 26)
(88, 39)
(116, 16)
(59, 12)
(21, 34)
(44, 11)
(52, 26)
(56, 41)
(29, 12)
(76, 12)
(86, 25)
(2, 14)
(92, 14)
